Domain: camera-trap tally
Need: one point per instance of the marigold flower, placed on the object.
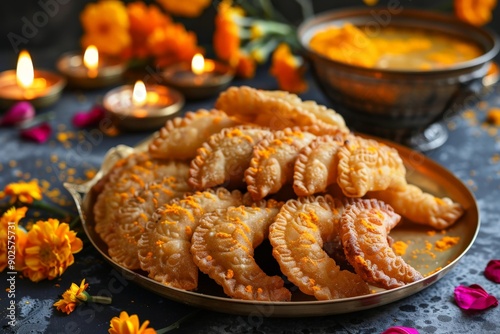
(475, 12)
(173, 43)
(106, 25)
(143, 22)
(24, 192)
(287, 70)
(126, 324)
(72, 297)
(49, 250)
(370, 2)
(246, 66)
(190, 8)
(9, 222)
(226, 39)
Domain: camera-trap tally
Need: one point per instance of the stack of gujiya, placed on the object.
(264, 164)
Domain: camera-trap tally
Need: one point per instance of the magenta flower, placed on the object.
(39, 133)
(91, 117)
(492, 271)
(18, 113)
(474, 297)
(400, 330)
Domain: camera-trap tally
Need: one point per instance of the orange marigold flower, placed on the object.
(49, 250)
(191, 8)
(226, 37)
(287, 70)
(9, 223)
(24, 192)
(143, 21)
(246, 66)
(173, 43)
(106, 25)
(476, 12)
(72, 297)
(126, 324)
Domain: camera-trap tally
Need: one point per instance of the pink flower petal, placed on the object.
(39, 133)
(92, 117)
(474, 297)
(400, 330)
(492, 271)
(18, 113)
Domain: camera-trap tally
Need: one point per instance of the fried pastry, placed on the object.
(223, 247)
(273, 159)
(135, 213)
(368, 165)
(421, 207)
(365, 226)
(277, 110)
(180, 137)
(316, 165)
(223, 159)
(129, 176)
(298, 235)
(164, 249)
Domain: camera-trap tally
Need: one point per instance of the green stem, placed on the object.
(99, 299)
(53, 209)
(73, 222)
(306, 7)
(37, 120)
(178, 323)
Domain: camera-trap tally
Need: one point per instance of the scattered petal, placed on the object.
(18, 113)
(400, 330)
(92, 117)
(39, 133)
(474, 297)
(492, 271)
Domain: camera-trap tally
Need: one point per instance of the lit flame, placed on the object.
(198, 64)
(25, 73)
(139, 94)
(91, 58)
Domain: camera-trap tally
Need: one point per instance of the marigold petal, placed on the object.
(474, 297)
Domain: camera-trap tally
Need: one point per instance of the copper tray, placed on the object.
(422, 171)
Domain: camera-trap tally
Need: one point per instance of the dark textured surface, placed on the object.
(471, 153)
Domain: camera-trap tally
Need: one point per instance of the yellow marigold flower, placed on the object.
(191, 8)
(106, 25)
(49, 250)
(72, 297)
(476, 12)
(10, 231)
(226, 37)
(24, 192)
(173, 43)
(143, 22)
(287, 70)
(126, 324)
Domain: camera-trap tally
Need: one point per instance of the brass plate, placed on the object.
(422, 171)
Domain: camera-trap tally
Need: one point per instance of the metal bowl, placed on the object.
(400, 105)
